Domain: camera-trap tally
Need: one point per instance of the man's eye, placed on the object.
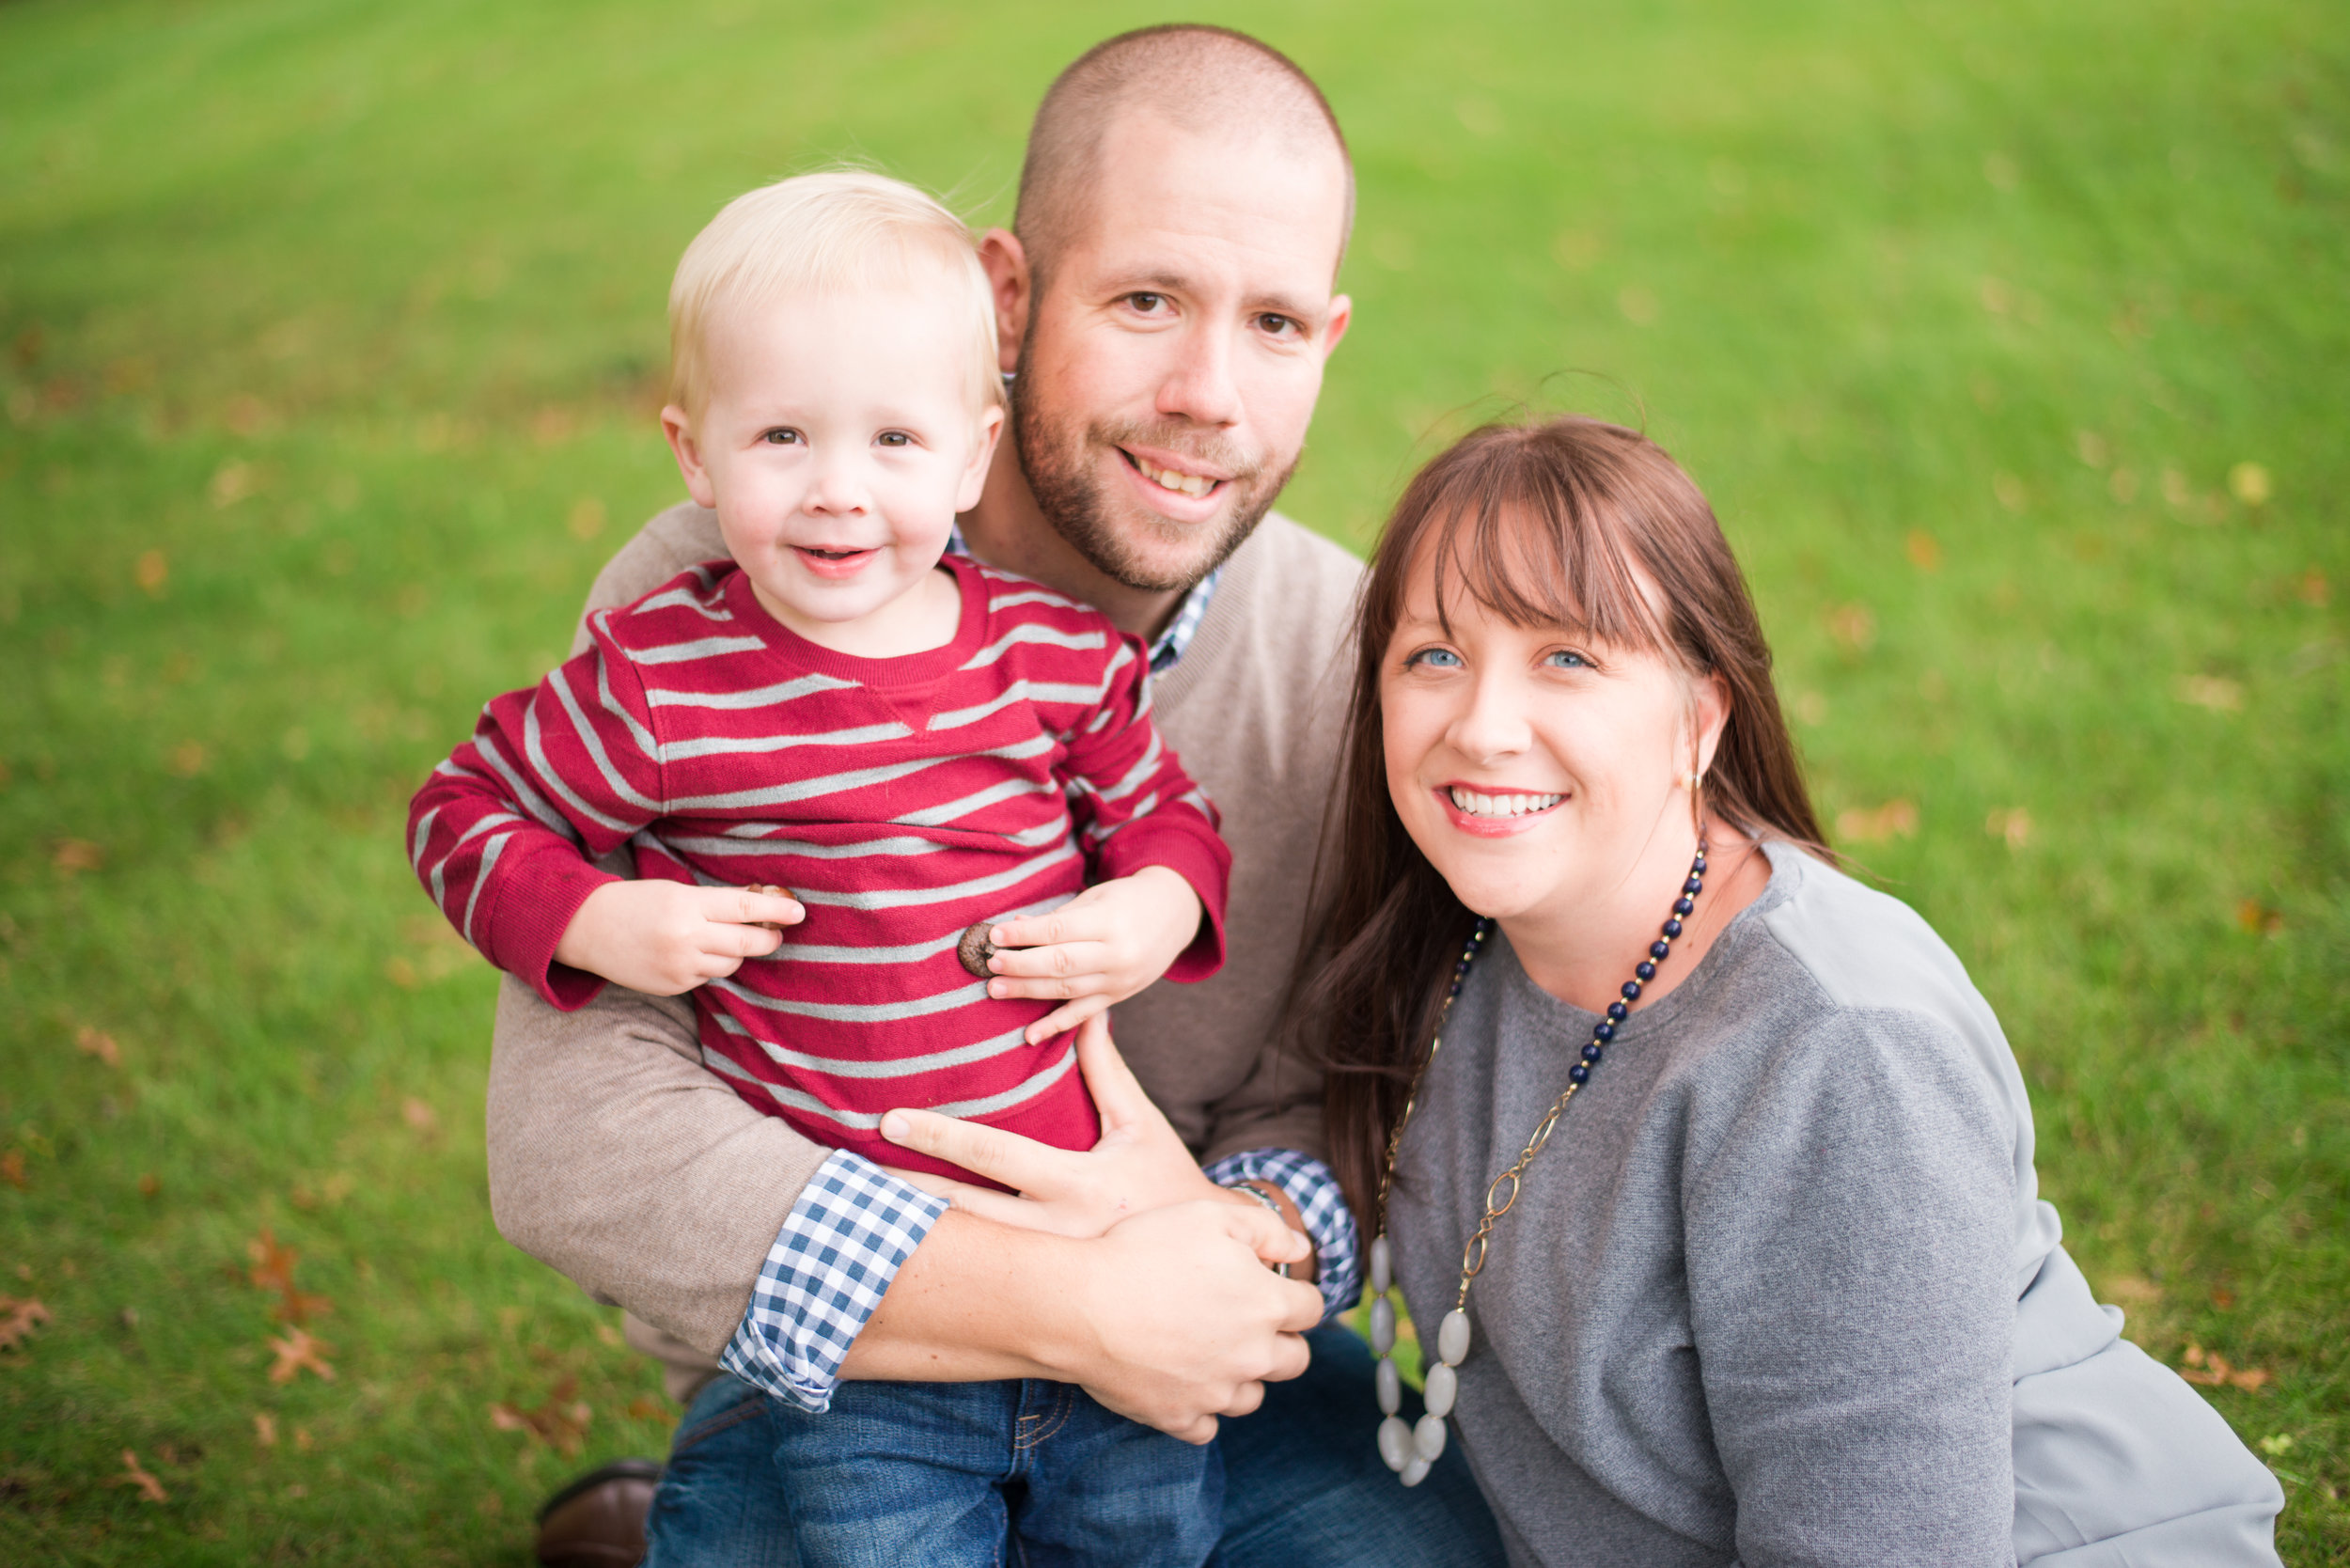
(895, 438)
(1147, 304)
(782, 438)
(1278, 326)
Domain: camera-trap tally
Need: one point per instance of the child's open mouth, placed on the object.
(832, 561)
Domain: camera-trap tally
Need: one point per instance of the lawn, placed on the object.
(2010, 340)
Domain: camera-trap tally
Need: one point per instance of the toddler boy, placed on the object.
(902, 757)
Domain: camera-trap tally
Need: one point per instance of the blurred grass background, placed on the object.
(2010, 341)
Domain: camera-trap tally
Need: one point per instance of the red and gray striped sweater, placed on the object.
(900, 800)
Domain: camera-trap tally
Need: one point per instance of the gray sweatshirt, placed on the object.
(1780, 1289)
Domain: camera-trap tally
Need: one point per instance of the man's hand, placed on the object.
(1100, 947)
(664, 937)
(1139, 1164)
(1186, 1325)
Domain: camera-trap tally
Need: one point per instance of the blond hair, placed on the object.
(839, 231)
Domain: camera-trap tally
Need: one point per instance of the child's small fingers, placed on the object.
(755, 906)
(1062, 960)
(1070, 922)
(732, 941)
(1064, 1018)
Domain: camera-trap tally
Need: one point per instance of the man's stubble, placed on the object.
(1053, 456)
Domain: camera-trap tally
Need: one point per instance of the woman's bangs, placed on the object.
(1544, 555)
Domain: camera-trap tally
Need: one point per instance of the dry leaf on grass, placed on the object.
(151, 1489)
(561, 1421)
(2210, 1370)
(77, 854)
(18, 1319)
(419, 1116)
(273, 1270)
(97, 1043)
(296, 1351)
(1895, 819)
(12, 1167)
(265, 1429)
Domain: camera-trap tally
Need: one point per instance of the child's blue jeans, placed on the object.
(951, 1473)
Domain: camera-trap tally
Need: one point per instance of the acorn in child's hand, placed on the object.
(975, 949)
(772, 892)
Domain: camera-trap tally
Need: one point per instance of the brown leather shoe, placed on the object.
(598, 1521)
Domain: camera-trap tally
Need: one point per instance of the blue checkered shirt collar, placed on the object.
(1169, 646)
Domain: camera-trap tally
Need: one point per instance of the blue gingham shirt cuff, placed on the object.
(844, 1241)
(1314, 1188)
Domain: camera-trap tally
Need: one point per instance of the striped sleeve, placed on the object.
(1135, 805)
(501, 833)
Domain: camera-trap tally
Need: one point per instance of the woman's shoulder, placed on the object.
(1854, 982)
(1866, 951)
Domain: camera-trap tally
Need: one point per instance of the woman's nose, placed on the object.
(1493, 726)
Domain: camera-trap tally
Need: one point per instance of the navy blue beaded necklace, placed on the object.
(1410, 1450)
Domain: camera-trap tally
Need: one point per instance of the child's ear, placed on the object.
(678, 430)
(983, 454)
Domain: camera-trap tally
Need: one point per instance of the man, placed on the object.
(1166, 305)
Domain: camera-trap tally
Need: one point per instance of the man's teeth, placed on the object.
(1502, 806)
(1167, 478)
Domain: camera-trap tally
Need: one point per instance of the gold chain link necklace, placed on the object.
(1411, 1449)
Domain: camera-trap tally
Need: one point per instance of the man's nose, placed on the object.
(1199, 386)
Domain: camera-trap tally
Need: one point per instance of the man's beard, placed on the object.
(1056, 457)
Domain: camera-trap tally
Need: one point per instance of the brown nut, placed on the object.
(975, 949)
(773, 892)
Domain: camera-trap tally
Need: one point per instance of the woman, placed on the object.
(1779, 1287)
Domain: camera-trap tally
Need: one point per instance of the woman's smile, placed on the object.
(1495, 811)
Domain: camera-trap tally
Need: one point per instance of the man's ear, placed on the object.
(1334, 329)
(679, 431)
(1009, 280)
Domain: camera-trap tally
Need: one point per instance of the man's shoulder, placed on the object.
(1299, 559)
(1287, 585)
(681, 538)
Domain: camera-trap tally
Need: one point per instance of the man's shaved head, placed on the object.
(1202, 79)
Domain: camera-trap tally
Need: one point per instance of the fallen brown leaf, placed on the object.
(643, 1408)
(265, 1429)
(419, 1116)
(2210, 1370)
(148, 1486)
(96, 1042)
(1854, 626)
(273, 1261)
(1925, 550)
(2258, 918)
(152, 572)
(12, 1167)
(2131, 1289)
(2012, 824)
(1895, 819)
(296, 1351)
(561, 1421)
(77, 854)
(18, 1319)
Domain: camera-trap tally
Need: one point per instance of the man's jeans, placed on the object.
(1303, 1485)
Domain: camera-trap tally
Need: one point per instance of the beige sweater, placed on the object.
(616, 1158)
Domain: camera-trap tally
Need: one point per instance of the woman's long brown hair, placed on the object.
(1555, 522)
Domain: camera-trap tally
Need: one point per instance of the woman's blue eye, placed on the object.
(1440, 658)
(1564, 658)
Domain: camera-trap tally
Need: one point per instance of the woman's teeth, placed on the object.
(1167, 478)
(1502, 806)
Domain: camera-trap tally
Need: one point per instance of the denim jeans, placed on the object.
(964, 1475)
(1304, 1487)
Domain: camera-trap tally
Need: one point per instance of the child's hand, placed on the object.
(664, 937)
(1101, 947)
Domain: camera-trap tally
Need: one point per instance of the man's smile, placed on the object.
(1167, 472)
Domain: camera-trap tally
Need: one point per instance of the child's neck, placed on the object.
(926, 616)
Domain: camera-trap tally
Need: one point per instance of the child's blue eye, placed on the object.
(1436, 658)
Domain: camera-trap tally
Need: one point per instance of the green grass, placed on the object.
(327, 340)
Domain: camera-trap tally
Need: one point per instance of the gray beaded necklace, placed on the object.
(1410, 1450)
